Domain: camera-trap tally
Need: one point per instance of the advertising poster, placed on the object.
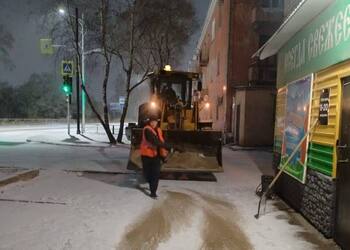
(281, 100)
(296, 126)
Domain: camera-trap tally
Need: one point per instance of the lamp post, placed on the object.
(83, 96)
(77, 68)
(80, 21)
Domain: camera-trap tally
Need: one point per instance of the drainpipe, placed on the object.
(228, 117)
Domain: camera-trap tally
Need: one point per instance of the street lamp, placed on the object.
(83, 54)
(80, 22)
(62, 11)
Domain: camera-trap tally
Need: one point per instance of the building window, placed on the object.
(265, 3)
(218, 65)
(217, 111)
(276, 4)
(263, 39)
(271, 3)
(213, 30)
(220, 14)
(272, 75)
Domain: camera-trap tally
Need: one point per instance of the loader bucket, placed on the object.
(200, 151)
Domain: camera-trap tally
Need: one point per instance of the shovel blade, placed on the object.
(198, 151)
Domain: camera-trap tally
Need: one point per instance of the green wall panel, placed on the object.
(320, 158)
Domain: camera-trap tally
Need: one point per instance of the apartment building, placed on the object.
(241, 89)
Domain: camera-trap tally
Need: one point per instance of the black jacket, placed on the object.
(154, 140)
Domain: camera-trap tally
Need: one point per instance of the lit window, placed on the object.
(218, 65)
(220, 6)
(213, 30)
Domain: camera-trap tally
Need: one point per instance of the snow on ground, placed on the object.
(104, 211)
(50, 147)
(94, 215)
(57, 134)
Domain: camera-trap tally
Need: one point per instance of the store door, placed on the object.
(342, 228)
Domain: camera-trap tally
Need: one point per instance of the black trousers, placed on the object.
(151, 172)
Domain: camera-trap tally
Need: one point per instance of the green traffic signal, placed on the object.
(67, 85)
(66, 89)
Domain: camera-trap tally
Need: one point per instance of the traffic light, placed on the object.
(67, 85)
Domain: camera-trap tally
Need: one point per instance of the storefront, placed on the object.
(314, 94)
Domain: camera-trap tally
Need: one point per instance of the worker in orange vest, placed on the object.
(153, 150)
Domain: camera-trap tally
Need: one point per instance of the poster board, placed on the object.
(297, 123)
(281, 100)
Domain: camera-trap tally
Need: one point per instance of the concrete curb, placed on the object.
(20, 176)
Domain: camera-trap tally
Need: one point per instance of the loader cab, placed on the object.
(173, 90)
(181, 83)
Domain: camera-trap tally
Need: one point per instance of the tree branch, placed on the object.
(137, 84)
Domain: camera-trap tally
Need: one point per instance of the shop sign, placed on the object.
(324, 107)
(323, 42)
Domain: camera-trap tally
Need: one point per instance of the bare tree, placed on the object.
(126, 44)
(6, 43)
(171, 24)
(143, 35)
(149, 34)
(97, 14)
(104, 11)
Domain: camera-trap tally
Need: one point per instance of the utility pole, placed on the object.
(77, 68)
(80, 51)
(83, 97)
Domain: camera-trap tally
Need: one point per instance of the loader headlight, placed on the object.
(167, 68)
(153, 105)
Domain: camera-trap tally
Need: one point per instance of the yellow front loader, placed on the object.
(176, 100)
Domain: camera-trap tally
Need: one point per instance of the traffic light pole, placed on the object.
(77, 68)
(68, 113)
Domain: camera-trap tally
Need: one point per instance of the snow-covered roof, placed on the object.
(304, 13)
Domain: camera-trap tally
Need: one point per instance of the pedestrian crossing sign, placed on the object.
(67, 68)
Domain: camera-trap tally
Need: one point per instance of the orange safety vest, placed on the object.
(147, 149)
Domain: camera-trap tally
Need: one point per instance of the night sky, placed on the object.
(17, 18)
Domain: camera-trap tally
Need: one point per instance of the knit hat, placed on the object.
(153, 117)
